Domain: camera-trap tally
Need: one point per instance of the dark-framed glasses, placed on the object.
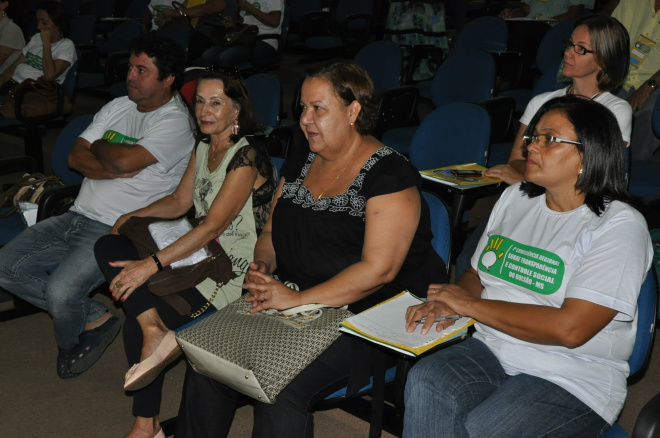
(545, 140)
(580, 50)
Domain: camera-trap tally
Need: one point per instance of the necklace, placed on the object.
(215, 153)
(341, 172)
(572, 91)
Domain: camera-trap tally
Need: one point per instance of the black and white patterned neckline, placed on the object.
(350, 202)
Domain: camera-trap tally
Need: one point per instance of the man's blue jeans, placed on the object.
(462, 391)
(52, 266)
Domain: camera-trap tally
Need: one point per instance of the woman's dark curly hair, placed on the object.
(350, 82)
(602, 149)
(57, 14)
(235, 89)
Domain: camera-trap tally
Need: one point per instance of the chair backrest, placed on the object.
(137, 9)
(82, 30)
(67, 137)
(266, 97)
(440, 226)
(547, 81)
(121, 37)
(383, 62)
(551, 48)
(72, 7)
(179, 33)
(69, 84)
(354, 17)
(647, 308)
(455, 133)
(298, 9)
(277, 161)
(102, 8)
(483, 33)
(465, 76)
(655, 118)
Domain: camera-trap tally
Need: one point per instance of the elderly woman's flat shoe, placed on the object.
(145, 372)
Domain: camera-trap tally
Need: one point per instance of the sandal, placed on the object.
(92, 345)
(63, 362)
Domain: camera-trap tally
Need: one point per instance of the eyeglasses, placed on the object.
(545, 140)
(580, 50)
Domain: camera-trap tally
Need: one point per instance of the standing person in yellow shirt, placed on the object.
(642, 20)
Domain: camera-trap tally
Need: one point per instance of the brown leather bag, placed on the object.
(40, 97)
(169, 281)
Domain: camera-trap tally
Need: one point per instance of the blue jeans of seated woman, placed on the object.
(232, 56)
(462, 391)
(51, 265)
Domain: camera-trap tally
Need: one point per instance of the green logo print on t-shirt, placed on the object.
(257, 5)
(116, 137)
(532, 268)
(34, 61)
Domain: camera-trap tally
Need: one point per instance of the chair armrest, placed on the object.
(315, 23)
(501, 110)
(648, 421)
(355, 29)
(284, 136)
(21, 163)
(56, 201)
(396, 108)
(257, 61)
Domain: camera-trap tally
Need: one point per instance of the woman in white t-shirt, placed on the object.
(596, 58)
(553, 286)
(49, 53)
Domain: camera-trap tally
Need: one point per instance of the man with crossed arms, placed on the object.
(134, 152)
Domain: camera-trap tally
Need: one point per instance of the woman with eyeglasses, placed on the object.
(231, 181)
(596, 59)
(553, 286)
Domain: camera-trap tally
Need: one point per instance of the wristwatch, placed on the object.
(652, 83)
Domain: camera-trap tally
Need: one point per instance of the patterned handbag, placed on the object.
(259, 354)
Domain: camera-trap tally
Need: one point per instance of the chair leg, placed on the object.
(34, 146)
(21, 308)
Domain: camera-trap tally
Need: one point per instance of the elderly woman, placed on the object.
(348, 227)
(49, 53)
(553, 286)
(231, 182)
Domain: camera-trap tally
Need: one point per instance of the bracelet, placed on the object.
(153, 256)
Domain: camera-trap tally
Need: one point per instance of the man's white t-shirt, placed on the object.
(166, 133)
(533, 255)
(619, 107)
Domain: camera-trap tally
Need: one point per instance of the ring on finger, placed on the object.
(118, 284)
